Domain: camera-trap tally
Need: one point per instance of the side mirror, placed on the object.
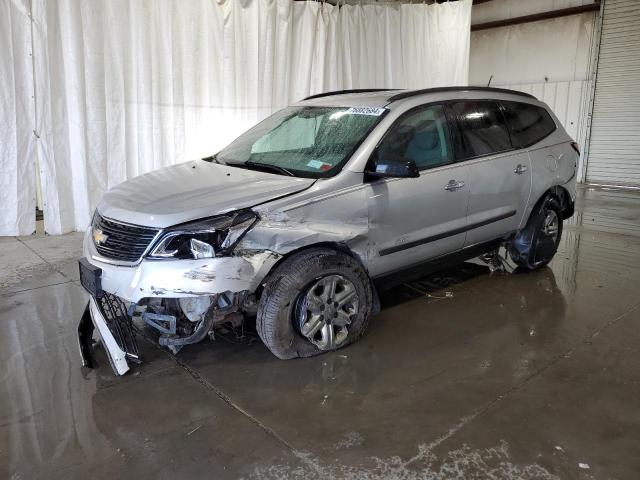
(393, 168)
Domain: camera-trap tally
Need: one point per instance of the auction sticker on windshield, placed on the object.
(317, 164)
(375, 111)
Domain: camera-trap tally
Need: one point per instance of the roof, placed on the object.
(413, 93)
(344, 98)
(382, 97)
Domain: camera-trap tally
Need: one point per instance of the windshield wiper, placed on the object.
(211, 158)
(268, 166)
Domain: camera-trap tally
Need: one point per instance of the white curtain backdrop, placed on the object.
(17, 121)
(124, 87)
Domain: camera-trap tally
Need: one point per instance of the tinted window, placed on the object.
(529, 123)
(482, 129)
(421, 136)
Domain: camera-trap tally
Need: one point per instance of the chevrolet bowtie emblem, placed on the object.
(99, 237)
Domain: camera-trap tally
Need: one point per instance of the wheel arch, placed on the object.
(563, 197)
(338, 247)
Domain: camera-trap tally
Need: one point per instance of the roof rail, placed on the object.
(413, 93)
(340, 92)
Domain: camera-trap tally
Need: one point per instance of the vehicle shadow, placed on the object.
(539, 288)
(433, 283)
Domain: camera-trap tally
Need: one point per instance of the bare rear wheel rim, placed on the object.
(326, 310)
(548, 239)
(550, 227)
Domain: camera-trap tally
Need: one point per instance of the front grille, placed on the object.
(121, 241)
(115, 313)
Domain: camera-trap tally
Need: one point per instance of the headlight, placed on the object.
(204, 238)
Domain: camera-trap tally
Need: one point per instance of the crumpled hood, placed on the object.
(193, 190)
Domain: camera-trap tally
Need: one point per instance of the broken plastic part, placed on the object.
(225, 300)
(236, 232)
(85, 335)
(200, 249)
(498, 261)
(195, 308)
(493, 261)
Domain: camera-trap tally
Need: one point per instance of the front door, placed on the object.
(416, 219)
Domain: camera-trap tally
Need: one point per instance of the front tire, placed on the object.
(317, 300)
(536, 244)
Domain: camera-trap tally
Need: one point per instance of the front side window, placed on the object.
(529, 123)
(303, 141)
(421, 136)
(482, 128)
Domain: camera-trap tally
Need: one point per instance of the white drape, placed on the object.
(17, 121)
(124, 87)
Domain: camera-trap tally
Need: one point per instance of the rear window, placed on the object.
(529, 123)
(482, 128)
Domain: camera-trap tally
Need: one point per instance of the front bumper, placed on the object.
(108, 316)
(114, 288)
(181, 278)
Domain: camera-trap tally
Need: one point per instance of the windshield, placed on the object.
(303, 141)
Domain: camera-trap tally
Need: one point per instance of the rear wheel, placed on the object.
(317, 300)
(534, 246)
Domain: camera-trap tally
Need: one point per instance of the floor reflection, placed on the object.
(443, 348)
(603, 237)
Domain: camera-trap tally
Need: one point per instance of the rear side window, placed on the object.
(529, 123)
(482, 128)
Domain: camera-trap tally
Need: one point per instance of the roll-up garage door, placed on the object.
(614, 149)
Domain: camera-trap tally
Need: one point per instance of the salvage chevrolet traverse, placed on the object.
(301, 219)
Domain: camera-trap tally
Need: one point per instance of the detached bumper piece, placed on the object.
(114, 311)
(108, 314)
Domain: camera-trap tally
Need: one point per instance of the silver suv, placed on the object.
(304, 217)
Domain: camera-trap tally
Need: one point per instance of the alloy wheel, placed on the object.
(325, 310)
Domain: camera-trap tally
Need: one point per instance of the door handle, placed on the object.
(520, 169)
(453, 185)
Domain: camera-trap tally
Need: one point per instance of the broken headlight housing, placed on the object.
(206, 238)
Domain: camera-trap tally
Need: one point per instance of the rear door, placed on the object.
(416, 219)
(500, 176)
(530, 124)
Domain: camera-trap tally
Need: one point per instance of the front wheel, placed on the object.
(315, 301)
(535, 245)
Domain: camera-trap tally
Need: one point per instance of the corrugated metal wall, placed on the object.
(614, 149)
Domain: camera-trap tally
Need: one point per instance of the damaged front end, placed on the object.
(188, 280)
(176, 321)
(191, 279)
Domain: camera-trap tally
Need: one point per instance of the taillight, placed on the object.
(576, 147)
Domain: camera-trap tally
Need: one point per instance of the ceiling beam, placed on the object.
(563, 12)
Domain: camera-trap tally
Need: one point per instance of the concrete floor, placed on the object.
(462, 375)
